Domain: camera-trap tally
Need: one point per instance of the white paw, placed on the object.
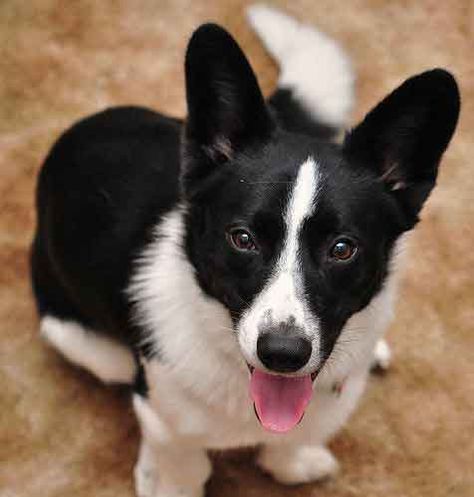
(148, 484)
(382, 355)
(172, 491)
(145, 479)
(301, 464)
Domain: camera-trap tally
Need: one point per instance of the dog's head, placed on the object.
(295, 235)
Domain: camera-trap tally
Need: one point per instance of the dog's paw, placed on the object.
(301, 464)
(148, 484)
(145, 472)
(145, 478)
(171, 491)
(382, 357)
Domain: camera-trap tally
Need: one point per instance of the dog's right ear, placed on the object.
(226, 109)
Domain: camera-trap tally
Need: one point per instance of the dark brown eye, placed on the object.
(241, 240)
(343, 250)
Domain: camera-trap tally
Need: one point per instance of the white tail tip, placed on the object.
(312, 65)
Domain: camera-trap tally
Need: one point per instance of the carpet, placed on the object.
(63, 433)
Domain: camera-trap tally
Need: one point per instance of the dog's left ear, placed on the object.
(226, 110)
(405, 135)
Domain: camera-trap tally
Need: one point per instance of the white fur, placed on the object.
(382, 354)
(298, 464)
(313, 65)
(107, 359)
(180, 318)
(170, 466)
(281, 300)
(198, 397)
(145, 472)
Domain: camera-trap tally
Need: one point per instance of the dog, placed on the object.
(238, 268)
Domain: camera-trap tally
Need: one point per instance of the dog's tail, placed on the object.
(315, 73)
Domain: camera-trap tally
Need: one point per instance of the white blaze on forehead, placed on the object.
(300, 207)
(282, 298)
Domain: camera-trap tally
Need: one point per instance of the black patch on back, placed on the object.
(102, 189)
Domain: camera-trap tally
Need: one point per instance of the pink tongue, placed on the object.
(280, 401)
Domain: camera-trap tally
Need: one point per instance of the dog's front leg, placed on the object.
(168, 465)
(293, 464)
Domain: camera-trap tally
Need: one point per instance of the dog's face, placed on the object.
(293, 240)
(294, 235)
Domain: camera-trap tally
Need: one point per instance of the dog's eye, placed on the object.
(343, 250)
(241, 240)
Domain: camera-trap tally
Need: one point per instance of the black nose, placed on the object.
(282, 353)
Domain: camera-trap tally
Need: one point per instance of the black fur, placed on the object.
(103, 187)
(406, 134)
(140, 385)
(295, 118)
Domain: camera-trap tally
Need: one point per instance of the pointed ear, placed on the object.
(405, 135)
(226, 110)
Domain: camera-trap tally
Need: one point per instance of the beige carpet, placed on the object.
(63, 434)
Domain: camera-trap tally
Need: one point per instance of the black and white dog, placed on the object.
(242, 260)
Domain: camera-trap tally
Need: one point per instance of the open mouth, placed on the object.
(280, 401)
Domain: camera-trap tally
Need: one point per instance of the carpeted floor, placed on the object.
(62, 433)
